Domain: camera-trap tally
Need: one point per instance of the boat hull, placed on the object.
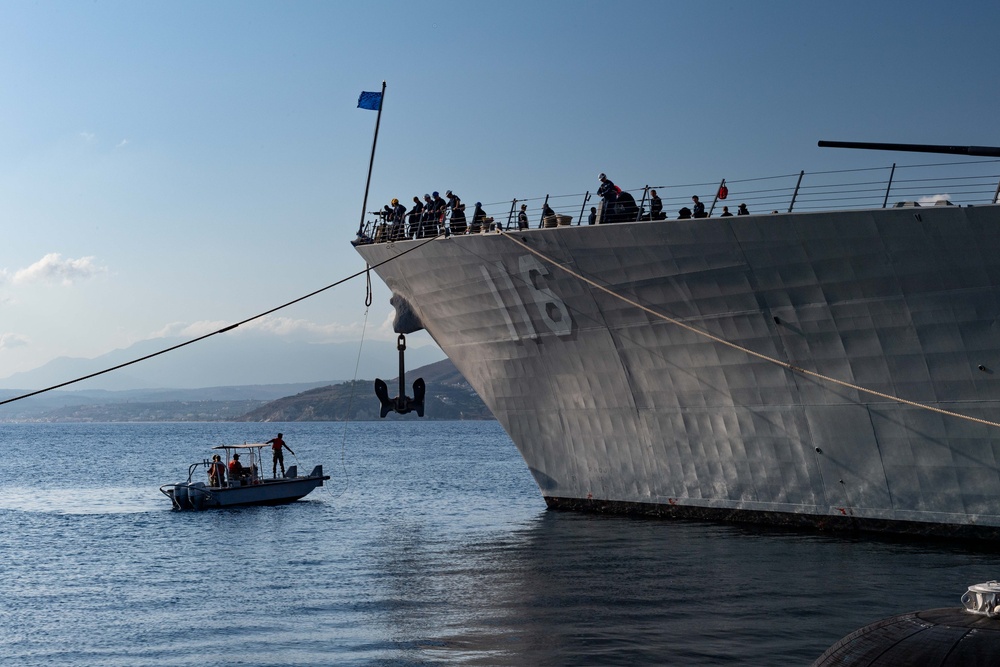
(616, 409)
(279, 491)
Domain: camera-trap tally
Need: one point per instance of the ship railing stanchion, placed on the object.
(510, 216)
(586, 198)
(642, 204)
(796, 193)
(888, 186)
(716, 199)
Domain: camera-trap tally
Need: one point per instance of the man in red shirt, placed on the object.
(235, 468)
(279, 456)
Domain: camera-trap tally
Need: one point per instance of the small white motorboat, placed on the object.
(231, 485)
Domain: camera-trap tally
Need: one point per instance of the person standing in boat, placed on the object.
(217, 472)
(522, 217)
(278, 456)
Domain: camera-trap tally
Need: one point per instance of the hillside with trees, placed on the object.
(449, 397)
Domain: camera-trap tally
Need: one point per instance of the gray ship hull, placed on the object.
(615, 409)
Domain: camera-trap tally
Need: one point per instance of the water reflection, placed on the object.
(584, 590)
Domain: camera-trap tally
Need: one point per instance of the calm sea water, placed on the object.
(430, 545)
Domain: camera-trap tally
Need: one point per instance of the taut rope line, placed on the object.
(778, 362)
(219, 331)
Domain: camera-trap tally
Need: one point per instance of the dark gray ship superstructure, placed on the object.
(838, 368)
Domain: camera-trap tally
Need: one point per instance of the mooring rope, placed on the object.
(364, 271)
(350, 402)
(753, 353)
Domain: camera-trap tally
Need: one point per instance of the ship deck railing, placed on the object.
(959, 183)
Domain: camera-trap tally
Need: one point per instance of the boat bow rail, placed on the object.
(967, 182)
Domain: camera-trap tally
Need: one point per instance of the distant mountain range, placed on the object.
(449, 396)
(224, 361)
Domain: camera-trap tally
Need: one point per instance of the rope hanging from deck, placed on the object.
(753, 353)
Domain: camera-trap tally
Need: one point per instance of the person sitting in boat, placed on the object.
(279, 457)
(216, 472)
(236, 469)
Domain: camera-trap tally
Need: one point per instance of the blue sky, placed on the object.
(167, 168)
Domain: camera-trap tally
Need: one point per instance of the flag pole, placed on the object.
(364, 205)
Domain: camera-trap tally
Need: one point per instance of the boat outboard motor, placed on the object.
(180, 495)
(197, 494)
(402, 404)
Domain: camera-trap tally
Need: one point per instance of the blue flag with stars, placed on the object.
(371, 101)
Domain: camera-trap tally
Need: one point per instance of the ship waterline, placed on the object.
(616, 409)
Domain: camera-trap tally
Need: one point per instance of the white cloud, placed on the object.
(385, 329)
(286, 326)
(122, 143)
(53, 268)
(282, 327)
(186, 330)
(88, 137)
(9, 341)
